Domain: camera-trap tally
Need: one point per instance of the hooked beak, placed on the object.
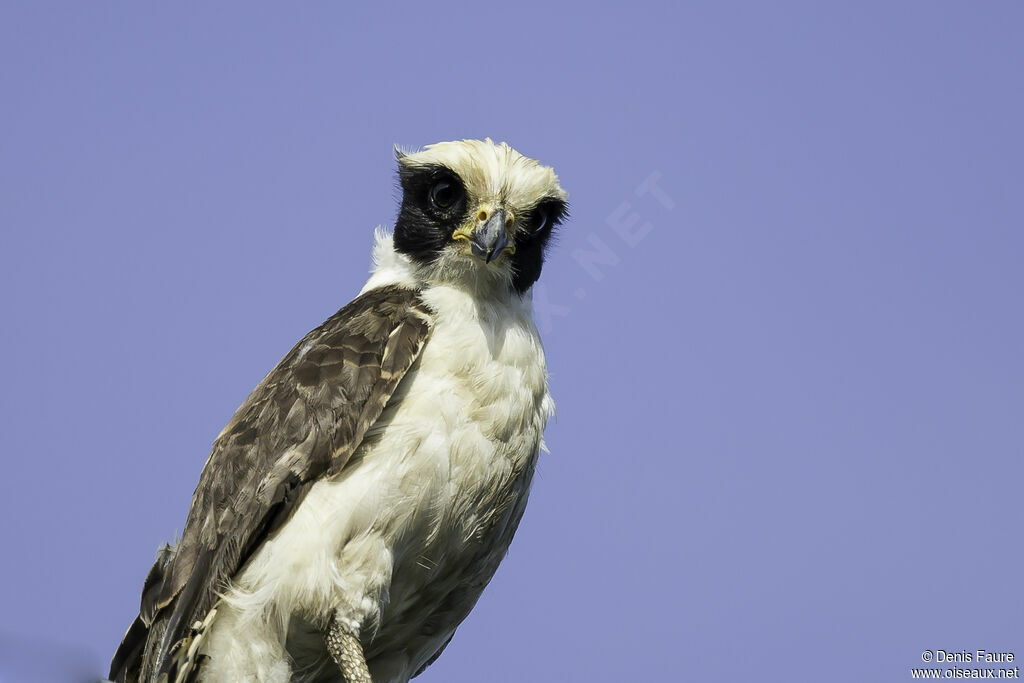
(489, 239)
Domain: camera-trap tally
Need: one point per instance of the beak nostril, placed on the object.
(508, 222)
(482, 216)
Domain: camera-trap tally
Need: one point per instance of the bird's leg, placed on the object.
(347, 653)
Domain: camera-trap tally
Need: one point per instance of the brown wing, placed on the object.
(303, 422)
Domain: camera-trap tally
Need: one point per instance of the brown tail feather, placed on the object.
(126, 665)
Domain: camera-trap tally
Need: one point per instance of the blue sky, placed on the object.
(783, 325)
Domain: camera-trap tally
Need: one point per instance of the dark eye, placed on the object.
(538, 220)
(444, 194)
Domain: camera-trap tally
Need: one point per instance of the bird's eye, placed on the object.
(538, 220)
(444, 194)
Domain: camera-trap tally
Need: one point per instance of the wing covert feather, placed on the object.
(302, 422)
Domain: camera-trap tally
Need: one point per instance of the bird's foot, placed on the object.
(347, 653)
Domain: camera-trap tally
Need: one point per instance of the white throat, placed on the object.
(486, 286)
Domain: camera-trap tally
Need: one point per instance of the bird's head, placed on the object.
(477, 212)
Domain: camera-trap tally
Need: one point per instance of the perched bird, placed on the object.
(361, 498)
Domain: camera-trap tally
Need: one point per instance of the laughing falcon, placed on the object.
(356, 505)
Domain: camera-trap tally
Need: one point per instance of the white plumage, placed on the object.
(455, 448)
